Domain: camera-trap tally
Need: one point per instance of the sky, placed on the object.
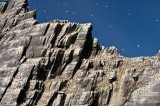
(133, 26)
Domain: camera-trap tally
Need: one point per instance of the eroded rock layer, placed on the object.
(59, 63)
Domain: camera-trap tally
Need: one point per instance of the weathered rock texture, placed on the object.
(59, 64)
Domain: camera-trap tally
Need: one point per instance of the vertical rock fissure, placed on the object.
(110, 95)
(9, 84)
(22, 95)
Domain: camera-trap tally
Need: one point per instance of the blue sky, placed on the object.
(133, 26)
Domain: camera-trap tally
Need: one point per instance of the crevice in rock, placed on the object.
(78, 65)
(23, 54)
(1, 35)
(66, 63)
(57, 30)
(110, 95)
(3, 6)
(41, 91)
(63, 100)
(95, 100)
(46, 29)
(10, 83)
(87, 49)
(71, 41)
(57, 65)
(52, 99)
(63, 84)
(41, 74)
(22, 96)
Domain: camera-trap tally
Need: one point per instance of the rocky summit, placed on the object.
(59, 63)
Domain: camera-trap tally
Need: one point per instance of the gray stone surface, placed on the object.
(59, 63)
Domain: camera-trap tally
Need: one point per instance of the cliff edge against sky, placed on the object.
(59, 63)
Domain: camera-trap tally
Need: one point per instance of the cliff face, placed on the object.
(59, 64)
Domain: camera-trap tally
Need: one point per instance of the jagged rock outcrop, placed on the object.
(59, 63)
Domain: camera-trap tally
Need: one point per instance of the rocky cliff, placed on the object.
(59, 63)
